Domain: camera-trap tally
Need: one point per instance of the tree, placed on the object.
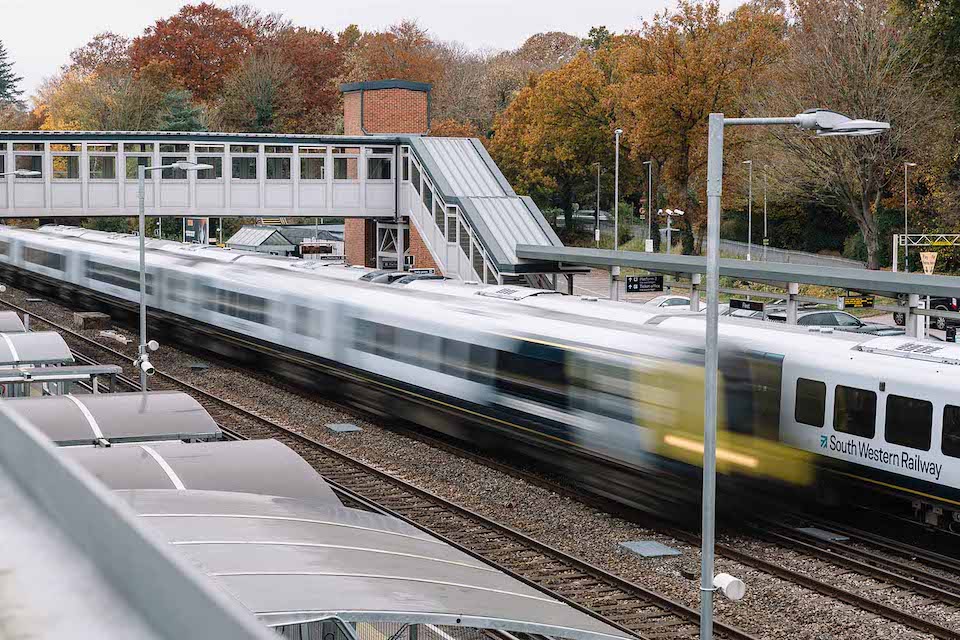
(453, 129)
(178, 112)
(261, 96)
(203, 44)
(404, 51)
(316, 61)
(597, 37)
(677, 70)
(10, 91)
(835, 46)
(546, 140)
(107, 52)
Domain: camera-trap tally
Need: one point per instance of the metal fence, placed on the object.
(739, 249)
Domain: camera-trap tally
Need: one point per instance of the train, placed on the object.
(605, 393)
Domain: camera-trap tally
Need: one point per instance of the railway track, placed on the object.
(621, 603)
(625, 605)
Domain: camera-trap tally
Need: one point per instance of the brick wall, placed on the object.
(351, 114)
(385, 111)
(422, 258)
(354, 241)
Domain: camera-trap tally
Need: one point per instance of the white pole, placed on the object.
(141, 192)
(765, 239)
(616, 192)
(597, 212)
(750, 212)
(906, 247)
(714, 189)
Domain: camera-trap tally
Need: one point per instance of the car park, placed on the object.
(937, 304)
(838, 320)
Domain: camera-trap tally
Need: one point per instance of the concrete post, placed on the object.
(570, 284)
(910, 317)
(615, 283)
(695, 292)
(793, 290)
(896, 251)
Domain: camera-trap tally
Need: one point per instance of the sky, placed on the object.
(40, 41)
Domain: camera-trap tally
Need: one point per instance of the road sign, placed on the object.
(747, 305)
(766, 242)
(423, 271)
(644, 284)
(855, 302)
(928, 259)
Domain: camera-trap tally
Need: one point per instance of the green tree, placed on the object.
(10, 92)
(179, 113)
(597, 37)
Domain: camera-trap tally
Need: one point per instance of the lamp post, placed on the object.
(596, 214)
(616, 190)
(143, 356)
(749, 164)
(766, 240)
(649, 164)
(906, 244)
(825, 123)
(670, 213)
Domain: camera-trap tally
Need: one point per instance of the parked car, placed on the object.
(383, 276)
(839, 320)
(938, 304)
(667, 301)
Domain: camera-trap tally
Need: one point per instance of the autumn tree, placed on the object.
(835, 46)
(202, 43)
(546, 140)
(676, 70)
(10, 90)
(261, 96)
(404, 51)
(107, 52)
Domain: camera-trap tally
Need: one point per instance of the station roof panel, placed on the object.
(38, 347)
(10, 322)
(292, 562)
(264, 467)
(254, 236)
(118, 417)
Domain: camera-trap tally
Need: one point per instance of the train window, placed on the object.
(811, 402)
(117, 276)
(909, 422)
(855, 411)
(43, 258)
(308, 322)
(5, 248)
(528, 375)
(950, 445)
(236, 304)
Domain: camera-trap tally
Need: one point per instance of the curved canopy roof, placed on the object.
(10, 322)
(292, 562)
(37, 347)
(118, 417)
(264, 467)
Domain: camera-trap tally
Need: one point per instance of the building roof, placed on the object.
(371, 85)
(118, 417)
(38, 347)
(300, 232)
(263, 467)
(867, 281)
(258, 235)
(463, 172)
(291, 562)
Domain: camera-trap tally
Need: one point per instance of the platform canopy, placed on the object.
(38, 347)
(291, 562)
(263, 467)
(118, 417)
(10, 322)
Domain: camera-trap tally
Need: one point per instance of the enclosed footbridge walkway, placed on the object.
(463, 215)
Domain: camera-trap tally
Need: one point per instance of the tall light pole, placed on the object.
(596, 216)
(143, 355)
(766, 241)
(749, 164)
(906, 244)
(616, 190)
(825, 123)
(649, 164)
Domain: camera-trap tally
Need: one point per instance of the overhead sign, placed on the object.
(855, 302)
(928, 259)
(747, 305)
(644, 284)
(423, 271)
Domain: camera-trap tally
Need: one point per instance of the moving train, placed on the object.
(604, 392)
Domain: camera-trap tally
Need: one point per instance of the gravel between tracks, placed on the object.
(773, 608)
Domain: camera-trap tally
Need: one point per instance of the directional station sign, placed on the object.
(644, 284)
(855, 302)
(746, 305)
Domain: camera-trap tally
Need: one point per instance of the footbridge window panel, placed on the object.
(279, 159)
(464, 239)
(438, 213)
(346, 161)
(415, 175)
(102, 161)
(179, 153)
(65, 161)
(380, 163)
(243, 161)
(28, 156)
(138, 154)
(313, 163)
(478, 260)
(211, 154)
(427, 195)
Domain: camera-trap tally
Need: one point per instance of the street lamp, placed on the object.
(616, 191)
(906, 244)
(824, 123)
(143, 350)
(766, 241)
(21, 173)
(669, 213)
(749, 164)
(596, 214)
(649, 164)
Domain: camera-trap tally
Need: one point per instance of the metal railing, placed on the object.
(739, 249)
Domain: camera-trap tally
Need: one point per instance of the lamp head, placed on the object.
(619, 132)
(186, 165)
(830, 123)
(26, 173)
